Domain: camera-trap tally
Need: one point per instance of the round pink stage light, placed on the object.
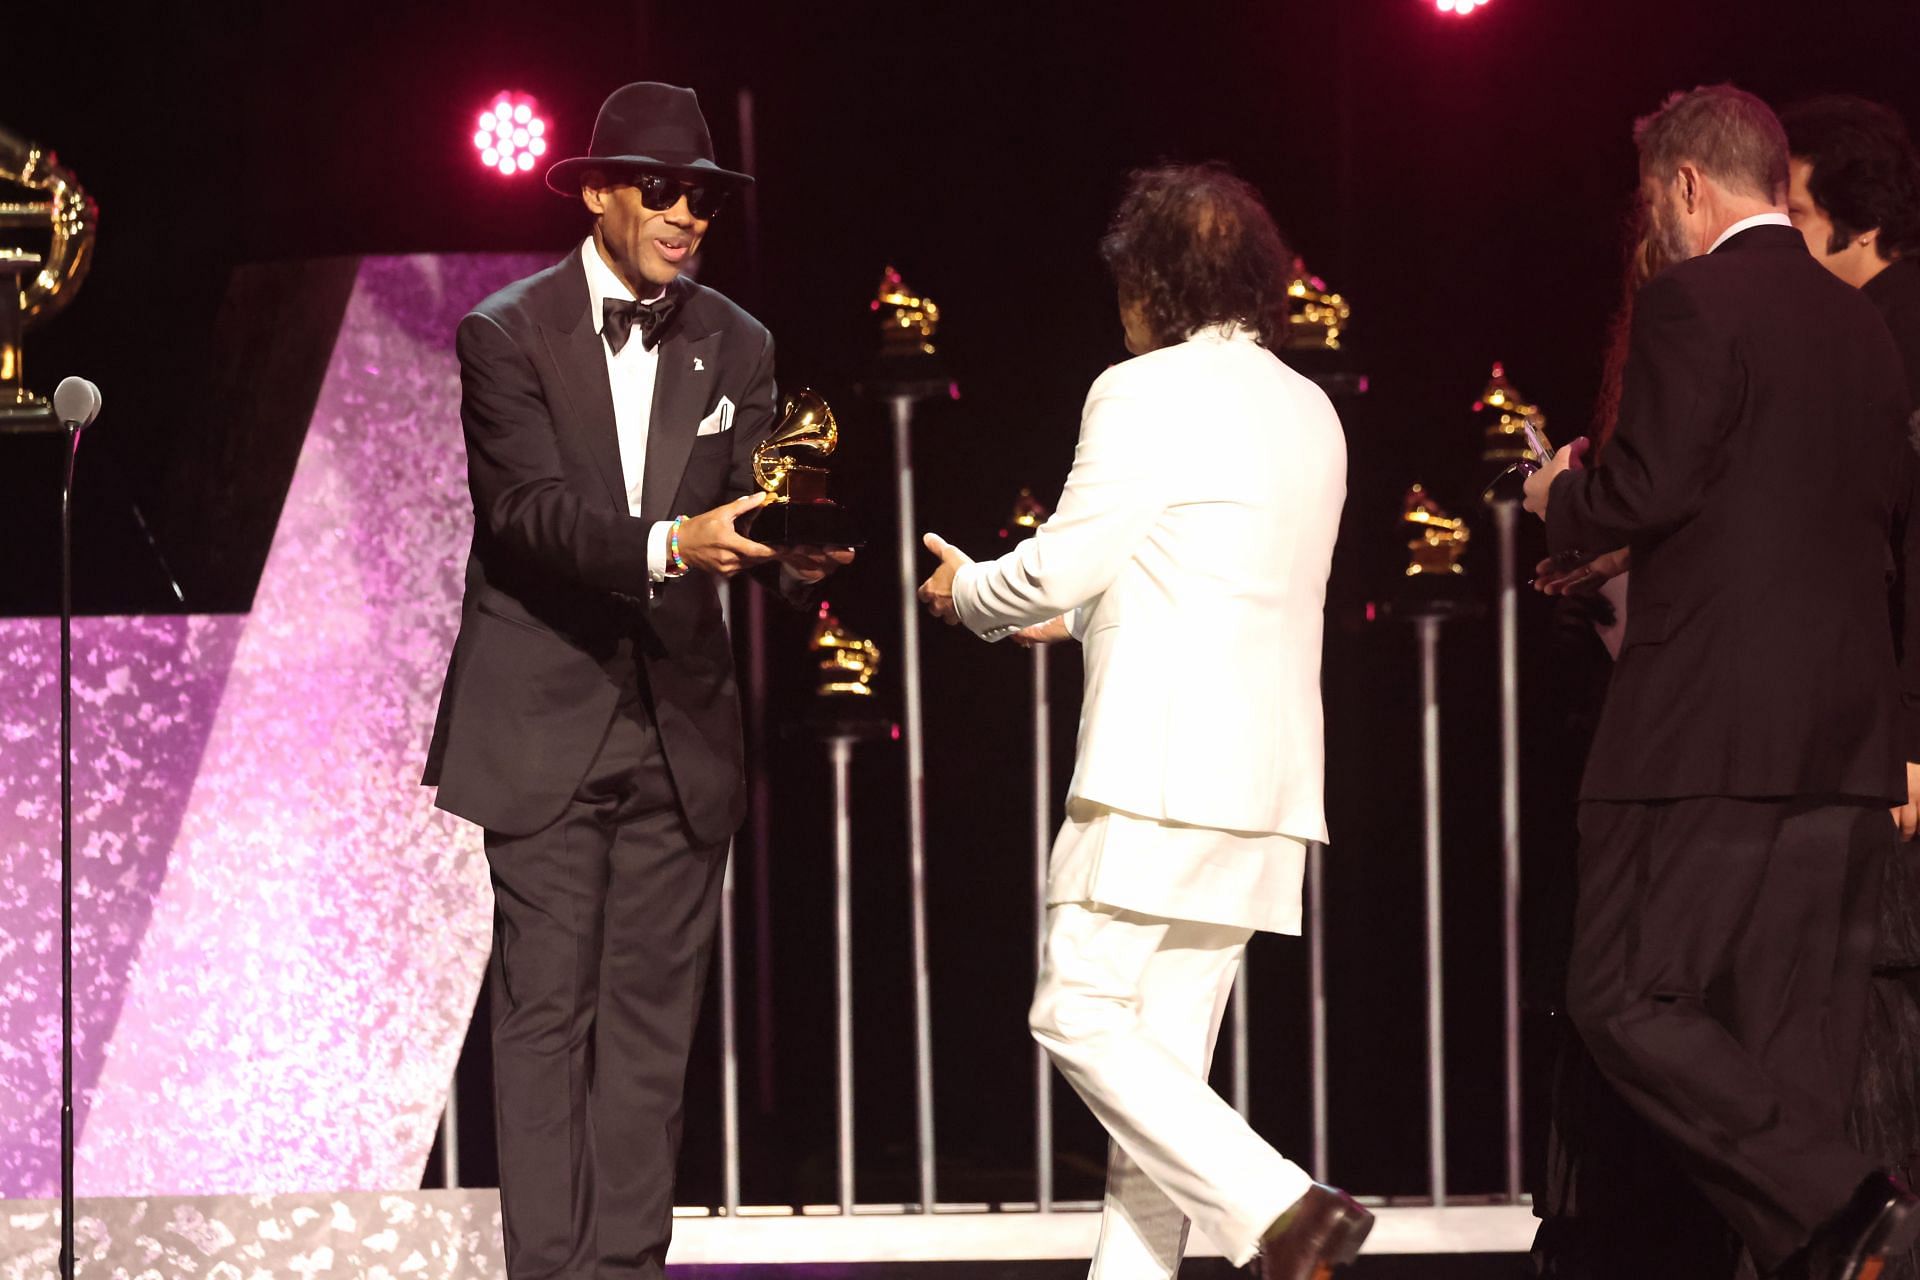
(509, 134)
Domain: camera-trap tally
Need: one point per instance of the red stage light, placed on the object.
(511, 133)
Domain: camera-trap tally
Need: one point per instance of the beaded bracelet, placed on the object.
(679, 568)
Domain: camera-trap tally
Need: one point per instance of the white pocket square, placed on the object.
(721, 419)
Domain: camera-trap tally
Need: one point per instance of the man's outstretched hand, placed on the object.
(937, 591)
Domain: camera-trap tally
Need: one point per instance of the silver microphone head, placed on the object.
(76, 402)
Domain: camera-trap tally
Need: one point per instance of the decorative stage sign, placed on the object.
(279, 939)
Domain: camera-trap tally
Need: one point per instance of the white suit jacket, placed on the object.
(1191, 549)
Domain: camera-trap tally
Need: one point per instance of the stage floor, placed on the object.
(455, 1235)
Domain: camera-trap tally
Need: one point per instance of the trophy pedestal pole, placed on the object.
(1433, 593)
(1506, 518)
(1042, 851)
(840, 734)
(1429, 602)
(907, 372)
(901, 397)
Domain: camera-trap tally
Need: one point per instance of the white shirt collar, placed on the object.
(602, 283)
(1225, 331)
(1757, 220)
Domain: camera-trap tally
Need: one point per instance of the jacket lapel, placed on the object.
(575, 348)
(681, 395)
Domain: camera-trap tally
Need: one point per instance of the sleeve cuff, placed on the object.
(1560, 534)
(962, 593)
(657, 550)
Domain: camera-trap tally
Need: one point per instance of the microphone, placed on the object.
(76, 402)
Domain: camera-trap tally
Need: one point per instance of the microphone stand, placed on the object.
(73, 430)
(47, 421)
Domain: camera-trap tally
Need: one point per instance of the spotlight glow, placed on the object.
(1459, 8)
(510, 134)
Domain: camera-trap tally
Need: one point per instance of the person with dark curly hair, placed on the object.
(1854, 193)
(1195, 535)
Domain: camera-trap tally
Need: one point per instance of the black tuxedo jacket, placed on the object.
(559, 617)
(1758, 471)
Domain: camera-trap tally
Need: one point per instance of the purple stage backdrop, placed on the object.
(279, 940)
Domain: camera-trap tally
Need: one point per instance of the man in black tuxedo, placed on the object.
(590, 721)
(1734, 813)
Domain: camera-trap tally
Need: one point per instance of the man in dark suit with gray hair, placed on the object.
(1733, 817)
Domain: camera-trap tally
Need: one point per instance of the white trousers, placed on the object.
(1129, 1007)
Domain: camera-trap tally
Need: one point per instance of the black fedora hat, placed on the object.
(657, 127)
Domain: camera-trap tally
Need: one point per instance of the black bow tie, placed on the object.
(618, 317)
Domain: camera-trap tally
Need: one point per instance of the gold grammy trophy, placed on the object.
(1439, 539)
(798, 512)
(1315, 314)
(1029, 513)
(848, 661)
(1513, 425)
(35, 284)
(908, 321)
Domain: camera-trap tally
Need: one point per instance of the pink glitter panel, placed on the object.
(280, 940)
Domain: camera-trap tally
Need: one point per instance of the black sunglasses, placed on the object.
(658, 191)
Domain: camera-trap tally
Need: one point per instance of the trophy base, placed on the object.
(804, 524)
(911, 376)
(1435, 595)
(26, 414)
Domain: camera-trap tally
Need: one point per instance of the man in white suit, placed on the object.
(1189, 555)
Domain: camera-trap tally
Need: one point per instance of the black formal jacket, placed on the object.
(1758, 471)
(559, 617)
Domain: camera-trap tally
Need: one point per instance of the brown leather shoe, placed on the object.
(1323, 1230)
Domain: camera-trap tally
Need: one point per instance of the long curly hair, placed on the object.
(1643, 260)
(1192, 245)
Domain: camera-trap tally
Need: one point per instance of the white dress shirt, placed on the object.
(1757, 220)
(631, 374)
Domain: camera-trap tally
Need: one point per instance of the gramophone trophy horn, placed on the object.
(36, 284)
(806, 422)
(798, 512)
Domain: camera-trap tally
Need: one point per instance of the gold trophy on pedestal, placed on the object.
(35, 285)
(1513, 437)
(1434, 585)
(847, 660)
(1315, 314)
(908, 321)
(799, 513)
(908, 365)
(1439, 539)
(1029, 513)
(1516, 430)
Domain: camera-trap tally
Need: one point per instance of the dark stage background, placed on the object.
(1462, 182)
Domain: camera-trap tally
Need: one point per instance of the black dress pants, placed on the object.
(1721, 954)
(603, 928)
